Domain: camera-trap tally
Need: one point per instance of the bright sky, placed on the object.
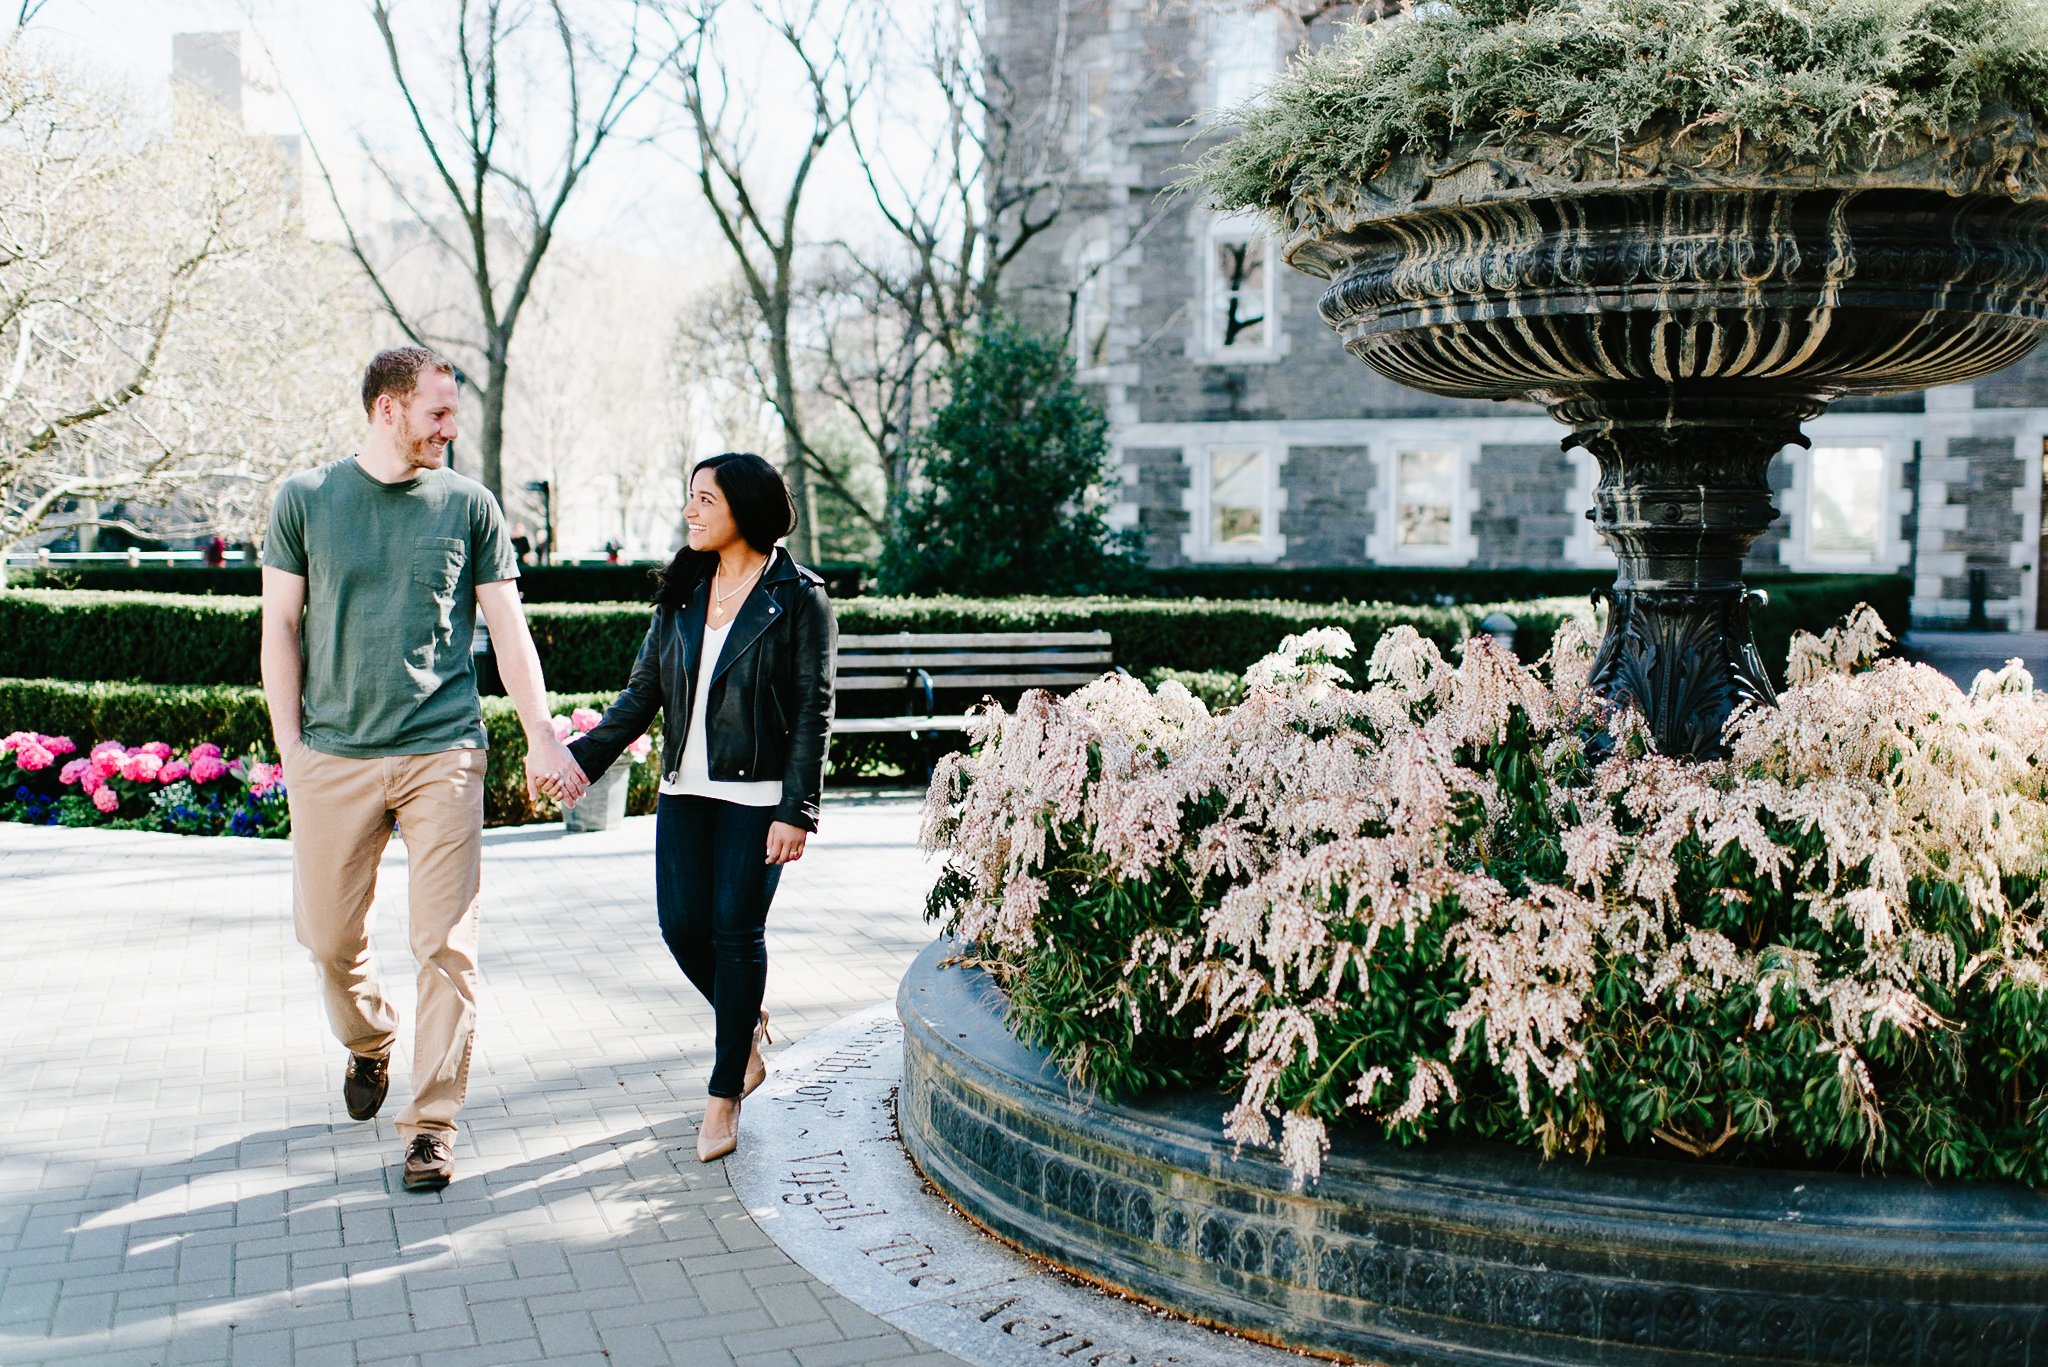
(330, 57)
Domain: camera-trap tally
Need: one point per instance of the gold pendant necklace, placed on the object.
(720, 599)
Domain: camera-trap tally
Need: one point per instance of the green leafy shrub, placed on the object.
(1829, 80)
(238, 721)
(1474, 901)
(1011, 473)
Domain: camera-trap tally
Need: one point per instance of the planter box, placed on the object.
(1460, 1252)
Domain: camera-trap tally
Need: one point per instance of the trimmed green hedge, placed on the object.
(537, 583)
(238, 721)
(589, 647)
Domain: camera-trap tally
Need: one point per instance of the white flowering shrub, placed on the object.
(1473, 899)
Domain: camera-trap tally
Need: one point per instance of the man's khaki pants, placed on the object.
(342, 812)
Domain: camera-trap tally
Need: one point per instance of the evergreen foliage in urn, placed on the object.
(1820, 83)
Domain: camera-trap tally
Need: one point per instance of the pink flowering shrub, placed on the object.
(583, 720)
(1472, 899)
(147, 788)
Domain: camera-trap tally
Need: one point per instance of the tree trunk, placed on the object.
(491, 447)
(803, 542)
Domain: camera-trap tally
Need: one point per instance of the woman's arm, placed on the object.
(630, 714)
(814, 636)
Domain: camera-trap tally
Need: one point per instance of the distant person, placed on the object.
(216, 553)
(611, 552)
(739, 662)
(373, 571)
(522, 544)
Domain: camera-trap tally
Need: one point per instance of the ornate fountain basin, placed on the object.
(1683, 322)
(1459, 1253)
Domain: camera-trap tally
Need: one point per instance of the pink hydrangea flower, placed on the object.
(585, 718)
(74, 771)
(173, 771)
(30, 754)
(13, 739)
(106, 763)
(207, 768)
(564, 728)
(107, 800)
(263, 777)
(58, 745)
(91, 782)
(159, 749)
(206, 751)
(640, 748)
(141, 767)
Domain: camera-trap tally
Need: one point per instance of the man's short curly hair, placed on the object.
(397, 372)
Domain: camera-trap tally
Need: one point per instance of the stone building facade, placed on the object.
(1245, 434)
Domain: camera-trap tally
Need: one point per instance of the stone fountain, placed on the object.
(1683, 309)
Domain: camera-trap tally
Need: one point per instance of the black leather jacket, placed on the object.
(770, 707)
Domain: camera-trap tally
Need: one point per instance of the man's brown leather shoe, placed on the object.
(364, 1087)
(429, 1163)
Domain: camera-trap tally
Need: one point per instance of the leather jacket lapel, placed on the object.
(755, 616)
(692, 626)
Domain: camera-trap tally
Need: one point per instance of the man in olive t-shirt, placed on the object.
(374, 568)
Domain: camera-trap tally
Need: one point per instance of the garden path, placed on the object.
(179, 1181)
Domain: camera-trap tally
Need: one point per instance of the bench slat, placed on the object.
(919, 640)
(982, 658)
(859, 683)
(872, 725)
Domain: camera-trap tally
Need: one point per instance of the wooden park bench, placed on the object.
(921, 665)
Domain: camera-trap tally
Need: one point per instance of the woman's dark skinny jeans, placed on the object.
(712, 886)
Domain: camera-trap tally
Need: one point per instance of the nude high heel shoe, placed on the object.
(757, 1067)
(718, 1135)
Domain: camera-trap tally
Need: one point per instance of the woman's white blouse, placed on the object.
(693, 776)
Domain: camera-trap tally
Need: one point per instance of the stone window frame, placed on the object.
(1209, 348)
(1195, 546)
(1382, 544)
(1850, 429)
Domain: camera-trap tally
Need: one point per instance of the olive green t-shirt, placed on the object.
(391, 572)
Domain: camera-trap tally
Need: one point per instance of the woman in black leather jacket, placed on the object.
(739, 663)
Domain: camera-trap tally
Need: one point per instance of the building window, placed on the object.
(1091, 307)
(1237, 497)
(1425, 491)
(1846, 501)
(1845, 505)
(1234, 500)
(1422, 499)
(1244, 48)
(1096, 152)
(1238, 292)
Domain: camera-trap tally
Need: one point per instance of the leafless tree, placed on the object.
(166, 330)
(491, 202)
(760, 224)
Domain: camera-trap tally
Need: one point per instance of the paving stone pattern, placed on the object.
(179, 1182)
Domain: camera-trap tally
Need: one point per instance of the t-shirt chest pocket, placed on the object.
(437, 564)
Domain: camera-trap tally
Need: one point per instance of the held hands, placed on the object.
(552, 770)
(785, 843)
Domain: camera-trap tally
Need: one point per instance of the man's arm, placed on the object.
(550, 768)
(284, 667)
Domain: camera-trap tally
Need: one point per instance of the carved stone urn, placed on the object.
(1683, 309)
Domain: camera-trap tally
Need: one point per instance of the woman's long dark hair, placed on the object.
(761, 506)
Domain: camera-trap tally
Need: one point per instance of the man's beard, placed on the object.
(417, 447)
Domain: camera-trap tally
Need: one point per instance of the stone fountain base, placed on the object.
(1456, 1252)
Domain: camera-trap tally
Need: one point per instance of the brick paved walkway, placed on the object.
(179, 1181)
